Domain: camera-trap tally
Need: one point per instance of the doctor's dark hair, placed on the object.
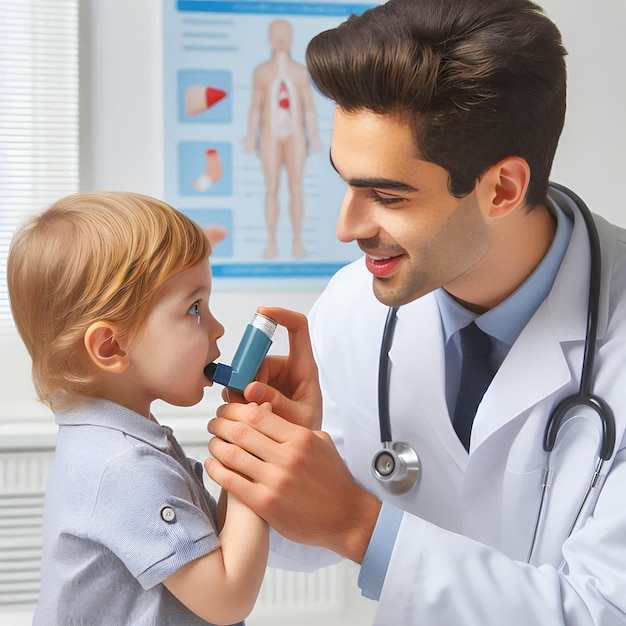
(477, 80)
(92, 256)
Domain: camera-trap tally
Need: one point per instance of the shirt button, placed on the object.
(168, 514)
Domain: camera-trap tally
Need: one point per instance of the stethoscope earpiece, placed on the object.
(396, 467)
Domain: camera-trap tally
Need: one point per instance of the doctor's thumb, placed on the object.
(260, 392)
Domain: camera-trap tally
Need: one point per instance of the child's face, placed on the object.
(178, 340)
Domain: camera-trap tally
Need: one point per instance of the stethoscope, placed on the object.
(397, 465)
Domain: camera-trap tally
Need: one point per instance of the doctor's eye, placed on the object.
(385, 200)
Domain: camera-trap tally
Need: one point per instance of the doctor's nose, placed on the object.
(354, 221)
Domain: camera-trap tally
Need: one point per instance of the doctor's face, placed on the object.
(415, 235)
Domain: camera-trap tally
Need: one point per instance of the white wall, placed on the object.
(592, 154)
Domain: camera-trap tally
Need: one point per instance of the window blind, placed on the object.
(39, 141)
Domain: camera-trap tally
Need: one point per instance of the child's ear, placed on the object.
(104, 349)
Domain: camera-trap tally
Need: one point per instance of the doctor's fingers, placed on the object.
(300, 349)
(251, 455)
(304, 407)
(226, 459)
(244, 486)
(296, 324)
(270, 439)
(239, 423)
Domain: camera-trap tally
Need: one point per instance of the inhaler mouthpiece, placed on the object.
(253, 347)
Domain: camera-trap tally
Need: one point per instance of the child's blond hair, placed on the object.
(92, 256)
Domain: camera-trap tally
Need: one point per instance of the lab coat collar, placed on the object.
(536, 365)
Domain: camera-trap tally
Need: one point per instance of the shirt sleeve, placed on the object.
(376, 560)
(145, 514)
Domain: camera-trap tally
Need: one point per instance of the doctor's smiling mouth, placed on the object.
(382, 267)
(380, 263)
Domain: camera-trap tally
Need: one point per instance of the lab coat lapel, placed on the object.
(510, 422)
(507, 433)
(419, 326)
(536, 365)
(534, 368)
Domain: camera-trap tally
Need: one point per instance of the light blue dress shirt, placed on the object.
(503, 323)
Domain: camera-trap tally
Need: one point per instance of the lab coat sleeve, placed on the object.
(288, 555)
(439, 577)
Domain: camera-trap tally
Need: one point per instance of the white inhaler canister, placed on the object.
(253, 347)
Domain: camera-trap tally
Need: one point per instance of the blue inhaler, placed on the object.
(253, 347)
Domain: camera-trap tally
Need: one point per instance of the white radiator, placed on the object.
(22, 483)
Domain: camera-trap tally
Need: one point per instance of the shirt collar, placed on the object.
(505, 321)
(107, 414)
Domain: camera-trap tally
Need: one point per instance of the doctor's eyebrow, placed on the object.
(378, 183)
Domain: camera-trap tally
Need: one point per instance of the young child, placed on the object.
(110, 294)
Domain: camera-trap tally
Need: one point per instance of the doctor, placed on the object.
(448, 117)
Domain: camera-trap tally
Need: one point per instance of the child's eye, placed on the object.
(194, 309)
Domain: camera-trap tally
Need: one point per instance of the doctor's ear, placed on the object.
(104, 348)
(502, 188)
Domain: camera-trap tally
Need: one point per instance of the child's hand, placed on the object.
(290, 383)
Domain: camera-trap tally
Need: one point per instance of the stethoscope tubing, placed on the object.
(384, 365)
(585, 394)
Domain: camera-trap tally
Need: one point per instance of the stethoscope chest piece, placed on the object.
(396, 467)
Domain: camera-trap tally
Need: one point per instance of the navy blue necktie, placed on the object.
(476, 374)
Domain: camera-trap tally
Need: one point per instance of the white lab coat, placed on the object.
(459, 556)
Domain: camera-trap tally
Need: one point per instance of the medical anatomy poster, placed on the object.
(247, 139)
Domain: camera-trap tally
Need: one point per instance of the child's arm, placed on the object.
(222, 586)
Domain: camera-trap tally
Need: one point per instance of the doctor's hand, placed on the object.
(289, 383)
(291, 476)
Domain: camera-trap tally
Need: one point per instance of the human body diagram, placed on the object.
(282, 125)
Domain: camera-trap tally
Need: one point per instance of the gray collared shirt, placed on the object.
(124, 509)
